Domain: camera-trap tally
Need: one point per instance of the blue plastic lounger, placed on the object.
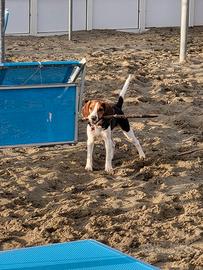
(39, 102)
(84, 255)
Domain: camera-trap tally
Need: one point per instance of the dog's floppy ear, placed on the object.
(85, 109)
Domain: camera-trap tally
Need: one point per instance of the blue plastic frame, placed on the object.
(38, 103)
(83, 254)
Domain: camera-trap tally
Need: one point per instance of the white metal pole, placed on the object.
(184, 29)
(2, 35)
(89, 18)
(86, 12)
(70, 19)
(142, 15)
(33, 17)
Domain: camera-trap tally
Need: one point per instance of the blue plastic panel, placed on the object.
(31, 73)
(84, 255)
(38, 115)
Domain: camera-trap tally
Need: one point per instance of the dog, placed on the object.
(95, 111)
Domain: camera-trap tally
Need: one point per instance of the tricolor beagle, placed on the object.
(95, 111)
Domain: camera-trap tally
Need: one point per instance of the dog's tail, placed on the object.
(123, 91)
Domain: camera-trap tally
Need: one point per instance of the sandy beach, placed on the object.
(150, 209)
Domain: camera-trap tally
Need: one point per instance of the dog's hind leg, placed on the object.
(128, 132)
(131, 137)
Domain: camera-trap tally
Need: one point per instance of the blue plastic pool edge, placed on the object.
(47, 63)
(81, 254)
(150, 267)
(63, 79)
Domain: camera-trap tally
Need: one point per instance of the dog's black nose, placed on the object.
(94, 118)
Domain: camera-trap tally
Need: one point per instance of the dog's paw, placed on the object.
(109, 169)
(142, 155)
(88, 168)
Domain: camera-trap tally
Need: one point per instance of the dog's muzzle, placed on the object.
(93, 119)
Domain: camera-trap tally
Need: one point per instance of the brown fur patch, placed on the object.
(85, 109)
(103, 108)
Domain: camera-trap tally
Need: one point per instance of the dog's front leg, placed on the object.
(90, 147)
(109, 150)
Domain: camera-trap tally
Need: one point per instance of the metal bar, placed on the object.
(2, 35)
(70, 19)
(184, 29)
(76, 115)
(39, 86)
(33, 17)
(6, 17)
(89, 10)
(142, 15)
(37, 144)
(86, 12)
(41, 64)
(82, 87)
(77, 71)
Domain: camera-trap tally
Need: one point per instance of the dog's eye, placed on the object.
(100, 109)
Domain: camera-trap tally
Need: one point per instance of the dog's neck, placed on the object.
(99, 123)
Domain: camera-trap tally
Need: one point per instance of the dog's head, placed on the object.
(94, 110)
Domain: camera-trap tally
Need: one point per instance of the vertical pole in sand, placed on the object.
(70, 19)
(184, 29)
(2, 34)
